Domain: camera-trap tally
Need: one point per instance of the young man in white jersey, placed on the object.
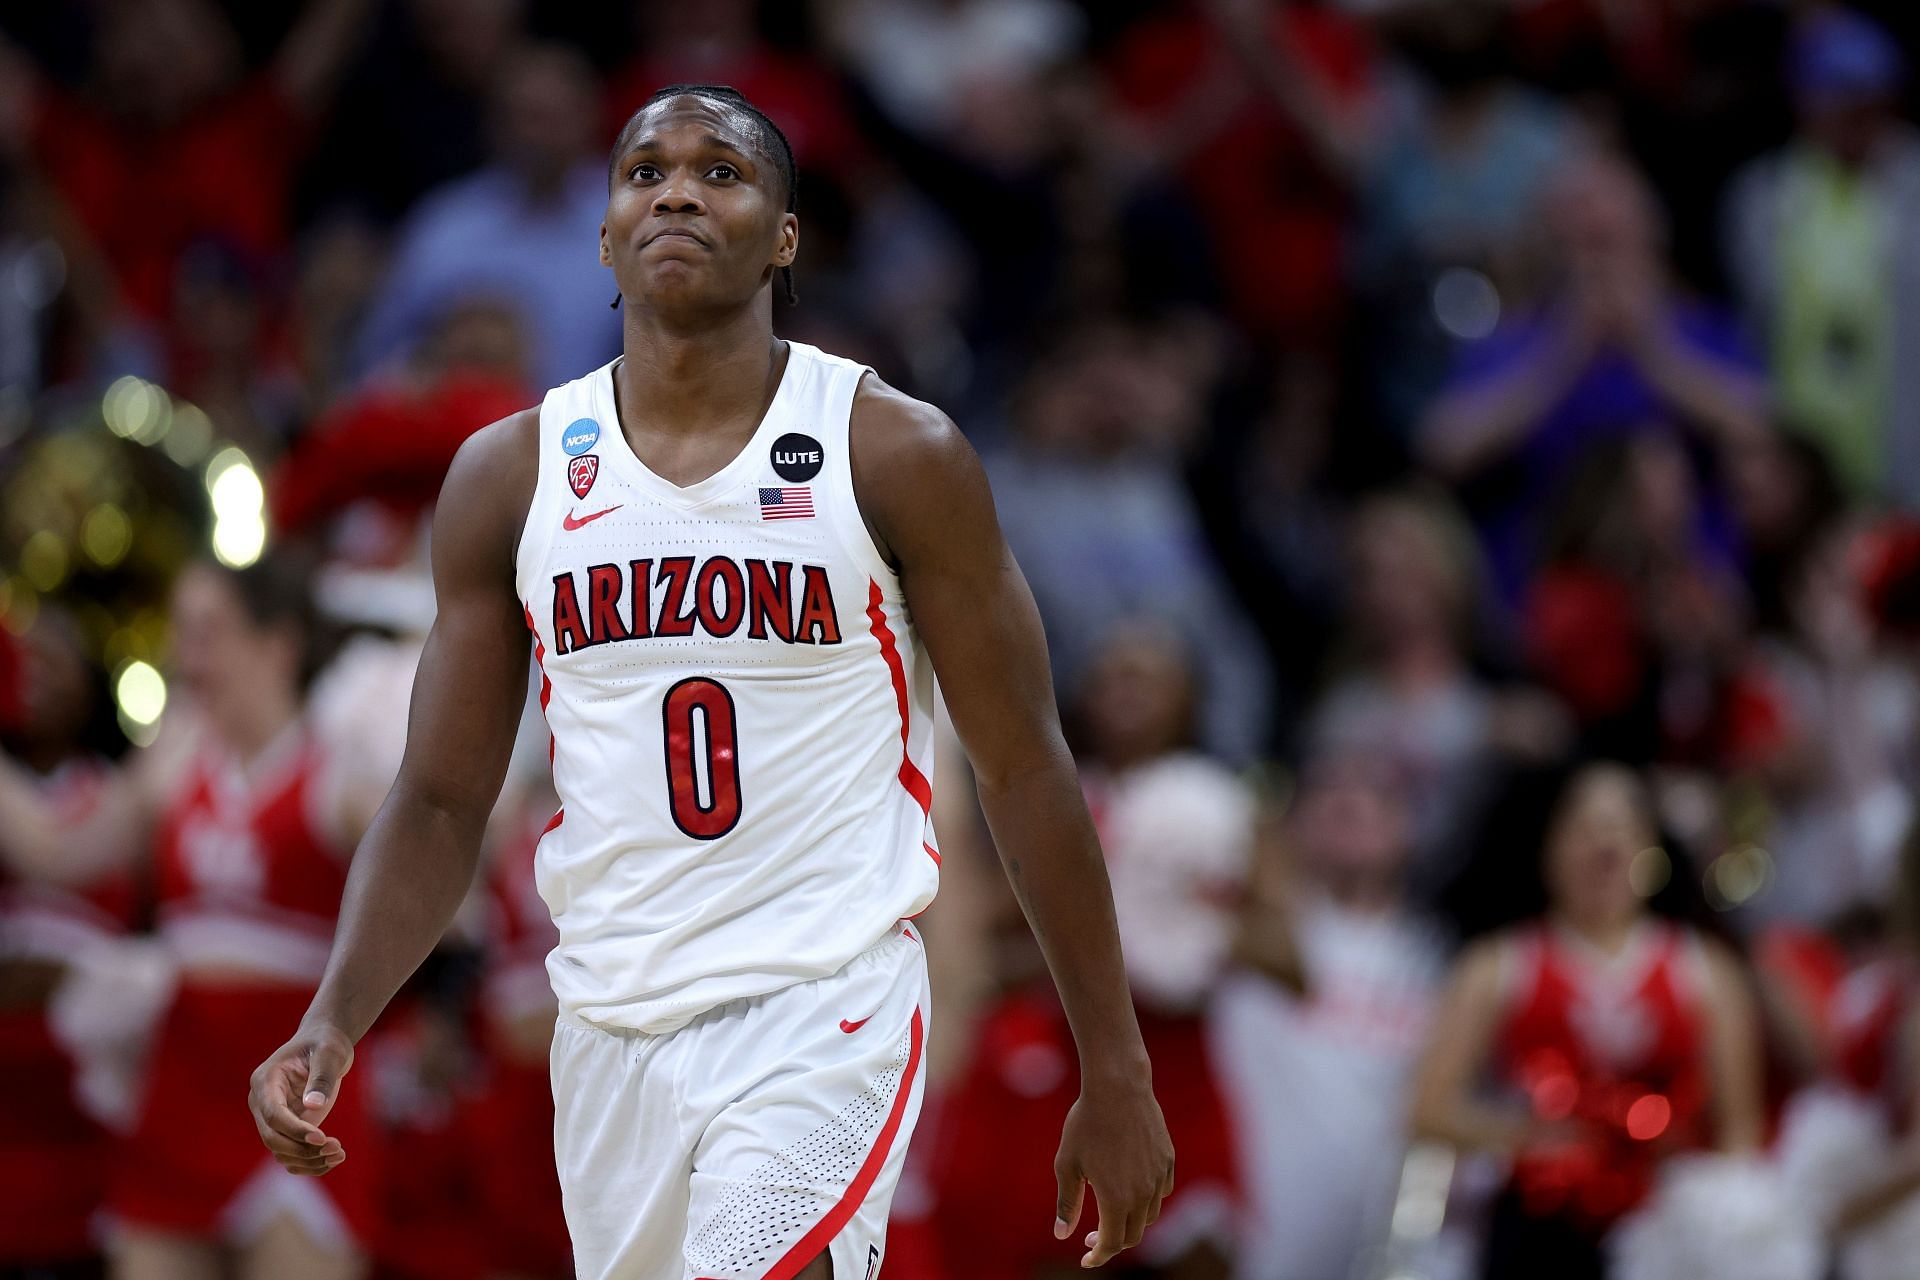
(715, 541)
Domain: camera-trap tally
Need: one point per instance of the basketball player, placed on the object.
(742, 561)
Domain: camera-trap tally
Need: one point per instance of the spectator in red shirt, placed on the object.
(1261, 108)
(174, 143)
(716, 42)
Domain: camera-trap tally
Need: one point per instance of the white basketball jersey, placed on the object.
(741, 712)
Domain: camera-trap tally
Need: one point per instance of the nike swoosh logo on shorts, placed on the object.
(574, 522)
(851, 1027)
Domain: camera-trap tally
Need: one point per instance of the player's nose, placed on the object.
(677, 197)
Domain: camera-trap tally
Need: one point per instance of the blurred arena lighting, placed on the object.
(239, 508)
(1649, 871)
(1737, 875)
(191, 435)
(1465, 303)
(43, 561)
(19, 606)
(106, 535)
(136, 410)
(140, 692)
(1648, 1117)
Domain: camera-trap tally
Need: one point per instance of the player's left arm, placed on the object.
(924, 496)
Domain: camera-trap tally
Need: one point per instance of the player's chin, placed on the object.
(678, 284)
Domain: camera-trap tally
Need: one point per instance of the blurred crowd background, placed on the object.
(1399, 407)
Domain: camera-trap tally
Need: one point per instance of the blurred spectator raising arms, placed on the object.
(1466, 158)
(1616, 350)
(173, 144)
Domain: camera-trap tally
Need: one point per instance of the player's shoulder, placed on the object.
(499, 454)
(914, 474)
(892, 430)
(490, 485)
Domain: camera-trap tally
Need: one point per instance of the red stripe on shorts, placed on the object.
(815, 1242)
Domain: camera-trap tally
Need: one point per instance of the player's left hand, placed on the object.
(291, 1094)
(1115, 1141)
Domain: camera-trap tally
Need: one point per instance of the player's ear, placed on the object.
(787, 247)
(606, 250)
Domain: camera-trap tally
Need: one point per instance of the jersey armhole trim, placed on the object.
(531, 546)
(858, 540)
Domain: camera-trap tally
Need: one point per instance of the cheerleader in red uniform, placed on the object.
(249, 841)
(1613, 1039)
(54, 1148)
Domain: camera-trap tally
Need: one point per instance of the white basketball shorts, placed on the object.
(746, 1143)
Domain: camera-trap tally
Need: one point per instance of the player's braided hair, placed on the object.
(767, 140)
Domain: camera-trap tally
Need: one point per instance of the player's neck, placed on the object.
(688, 379)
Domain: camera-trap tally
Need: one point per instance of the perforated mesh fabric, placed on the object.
(761, 1216)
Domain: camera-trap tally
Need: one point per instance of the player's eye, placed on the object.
(643, 172)
(724, 172)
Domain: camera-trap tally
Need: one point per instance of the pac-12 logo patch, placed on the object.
(581, 435)
(796, 457)
(582, 472)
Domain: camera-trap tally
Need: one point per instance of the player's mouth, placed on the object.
(676, 233)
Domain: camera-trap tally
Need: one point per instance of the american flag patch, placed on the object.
(794, 503)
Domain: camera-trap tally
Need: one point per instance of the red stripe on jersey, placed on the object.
(559, 816)
(910, 776)
(815, 1242)
(546, 687)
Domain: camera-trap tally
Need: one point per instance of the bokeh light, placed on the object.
(140, 691)
(106, 535)
(239, 508)
(44, 560)
(1649, 871)
(1737, 876)
(191, 435)
(136, 410)
(1648, 1117)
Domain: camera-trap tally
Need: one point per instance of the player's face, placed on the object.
(696, 218)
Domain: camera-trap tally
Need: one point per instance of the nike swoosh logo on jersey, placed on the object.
(574, 522)
(851, 1027)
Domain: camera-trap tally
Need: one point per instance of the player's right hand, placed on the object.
(291, 1094)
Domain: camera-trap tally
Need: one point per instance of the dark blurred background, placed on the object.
(1396, 405)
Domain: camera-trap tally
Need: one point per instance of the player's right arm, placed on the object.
(418, 858)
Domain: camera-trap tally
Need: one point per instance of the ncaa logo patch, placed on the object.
(581, 435)
(582, 472)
